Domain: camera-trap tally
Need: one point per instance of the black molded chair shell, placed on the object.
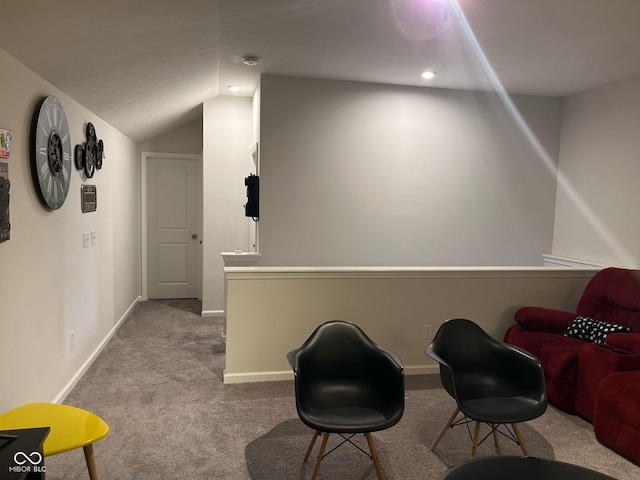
(345, 383)
(492, 382)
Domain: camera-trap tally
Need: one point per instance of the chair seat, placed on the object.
(502, 409)
(347, 419)
(71, 427)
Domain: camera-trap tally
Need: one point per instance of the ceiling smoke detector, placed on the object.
(250, 60)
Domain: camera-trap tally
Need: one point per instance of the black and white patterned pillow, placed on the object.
(594, 331)
(581, 328)
(603, 329)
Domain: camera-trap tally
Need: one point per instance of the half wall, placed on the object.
(271, 311)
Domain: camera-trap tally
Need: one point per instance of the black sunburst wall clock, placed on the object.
(51, 153)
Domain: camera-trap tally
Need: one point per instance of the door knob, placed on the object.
(194, 236)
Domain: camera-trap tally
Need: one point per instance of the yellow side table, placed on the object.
(71, 427)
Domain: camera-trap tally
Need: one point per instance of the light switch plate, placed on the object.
(86, 239)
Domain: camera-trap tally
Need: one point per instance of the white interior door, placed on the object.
(172, 227)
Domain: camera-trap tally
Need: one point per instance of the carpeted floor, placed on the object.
(158, 384)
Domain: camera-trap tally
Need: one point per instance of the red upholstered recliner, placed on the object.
(613, 296)
(595, 363)
(616, 416)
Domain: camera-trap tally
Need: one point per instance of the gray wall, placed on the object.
(598, 194)
(50, 285)
(228, 140)
(185, 139)
(366, 174)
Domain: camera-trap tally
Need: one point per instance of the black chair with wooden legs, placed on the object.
(348, 385)
(492, 382)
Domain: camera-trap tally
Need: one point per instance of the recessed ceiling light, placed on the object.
(233, 88)
(429, 74)
(250, 60)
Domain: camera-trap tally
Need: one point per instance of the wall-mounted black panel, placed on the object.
(252, 208)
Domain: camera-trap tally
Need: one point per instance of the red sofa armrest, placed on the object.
(541, 319)
(629, 342)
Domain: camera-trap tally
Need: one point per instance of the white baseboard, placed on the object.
(421, 369)
(257, 377)
(229, 378)
(85, 366)
(212, 313)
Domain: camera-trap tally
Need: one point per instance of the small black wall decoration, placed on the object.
(89, 156)
(5, 224)
(89, 198)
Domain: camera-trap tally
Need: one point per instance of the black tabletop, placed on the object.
(21, 453)
(520, 468)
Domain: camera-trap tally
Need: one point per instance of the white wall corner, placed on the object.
(94, 355)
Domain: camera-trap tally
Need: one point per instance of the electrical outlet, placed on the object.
(427, 332)
(72, 340)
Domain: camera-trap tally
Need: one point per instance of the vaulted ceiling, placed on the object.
(146, 67)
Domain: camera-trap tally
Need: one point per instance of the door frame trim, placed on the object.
(144, 160)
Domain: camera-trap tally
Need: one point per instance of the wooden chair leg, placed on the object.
(323, 446)
(444, 429)
(523, 445)
(91, 462)
(374, 455)
(476, 439)
(313, 442)
(495, 434)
